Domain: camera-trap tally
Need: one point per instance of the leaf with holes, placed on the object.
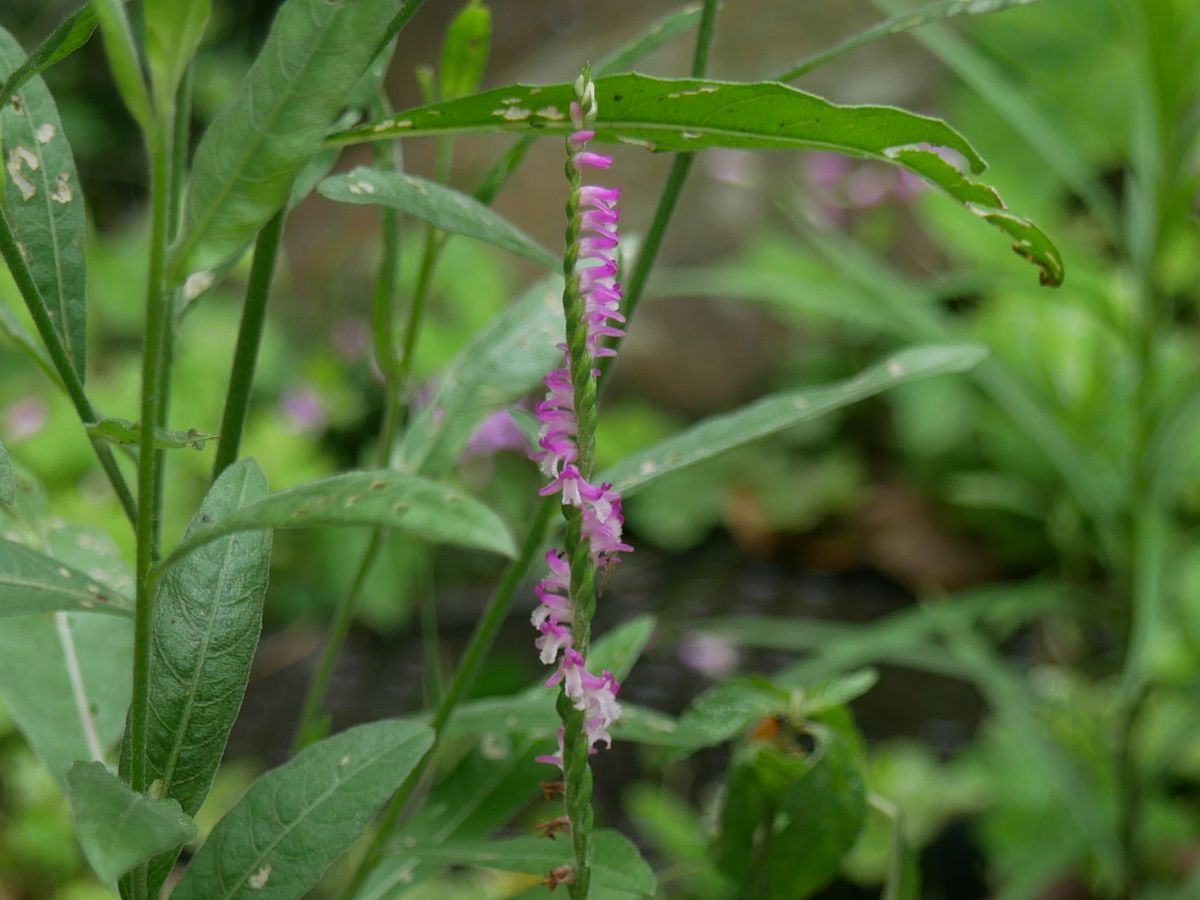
(314, 55)
(440, 206)
(297, 819)
(116, 827)
(207, 618)
(31, 582)
(43, 202)
(773, 413)
(428, 509)
(689, 114)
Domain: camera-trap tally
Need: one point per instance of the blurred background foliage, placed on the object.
(1014, 764)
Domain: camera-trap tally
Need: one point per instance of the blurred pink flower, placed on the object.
(709, 654)
(350, 338)
(497, 432)
(24, 418)
(304, 409)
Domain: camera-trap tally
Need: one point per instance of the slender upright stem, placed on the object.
(245, 355)
(71, 380)
(158, 147)
(635, 285)
(486, 629)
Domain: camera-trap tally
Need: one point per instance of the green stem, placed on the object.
(635, 285)
(157, 313)
(481, 641)
(245, 355)
(70, 379)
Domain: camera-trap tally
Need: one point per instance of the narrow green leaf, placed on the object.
(632, 52)
(173, 32)
(117, 828)
(619, 649)
(510, 355)
(440, 206)
(72, 33)
(12, 328)
(31, 582)
(898, 23)
(465, 51)
(8, 482)
(207, 618)
(486, 789)
(692, 114)
(65, 680)
(297, 819)
(126, 433)
(245, 164)
(617, 865)
(122, 54)
(44, 203)
(428, 509)
(778, 411)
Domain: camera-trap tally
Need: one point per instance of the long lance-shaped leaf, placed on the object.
(428, 509)
(898, 23)
(71, 34)
(65, 680)
(244, 167)
(632, 52)
(718, 434)
(31, 582)
(507, 358)
(692, 114)
(44, 204)
(442, 207)
(207, 618)
(296, 820)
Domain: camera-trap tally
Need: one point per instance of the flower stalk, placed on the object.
(566, 449)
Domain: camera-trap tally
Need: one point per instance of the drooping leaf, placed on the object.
(617, 865)
(440, 206)
(31, 582)
(173, 32)
(117, 828)
(43, 202)
(13, 329)
(778, 411)
(465, 51)
(66, 681)
(127, 433)
(507, 358)
(297, 819)
(692, 114)
(71, 34)
(8, 482)
(207, 617)
(731, 707)
(898, 23)
(245, 164)
(428, 509)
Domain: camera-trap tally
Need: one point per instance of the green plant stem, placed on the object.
(159, 138)
(482, 638)
(245, 355)
(69, 378)
(681, 167)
